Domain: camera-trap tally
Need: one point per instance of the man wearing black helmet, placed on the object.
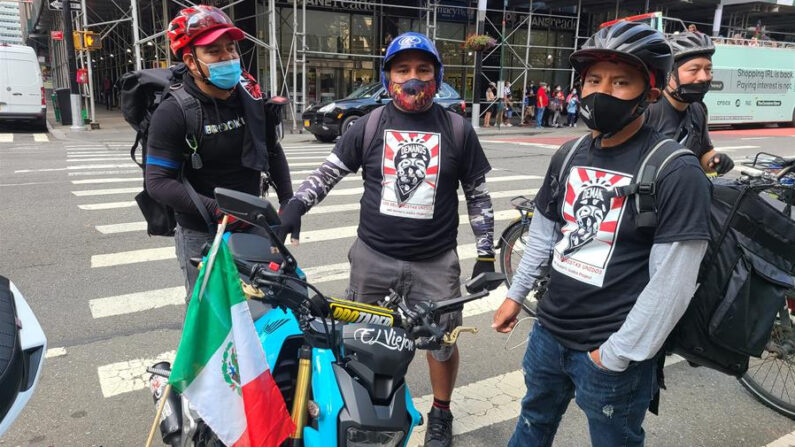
(680, 113)
(615, 290)
(413, 155)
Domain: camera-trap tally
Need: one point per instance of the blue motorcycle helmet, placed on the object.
(411, 41)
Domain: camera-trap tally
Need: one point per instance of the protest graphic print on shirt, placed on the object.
(592, 220)
(410, 168)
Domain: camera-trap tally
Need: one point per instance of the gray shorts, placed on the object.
(436, 279)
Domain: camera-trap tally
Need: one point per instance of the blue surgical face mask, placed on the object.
(224, 75)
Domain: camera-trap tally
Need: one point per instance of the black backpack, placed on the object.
(743, 281)
(744, 276)
(141, 92)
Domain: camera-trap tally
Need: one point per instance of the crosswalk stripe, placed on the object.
(77, 167)
(40, 138)
(87, 146)
(6, 138)
(117, 172)
(310, 147)
(82, 160)
(519, 143)
(320, 209)
(106, 192)
(334, 192)
(136, 302)
(490, 180)
(122, 227)
(94, 152)
(70, 155)
(319, 158)
(734, 148)
(107, 206)
(54, 352)
(107, 180)
(163, 253)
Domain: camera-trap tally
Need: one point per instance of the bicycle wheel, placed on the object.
(512, 248)
(771, 378)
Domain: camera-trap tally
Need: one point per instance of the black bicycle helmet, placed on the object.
(688, 45)
(631, 42)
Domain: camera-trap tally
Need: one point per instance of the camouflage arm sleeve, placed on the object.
(317, 186)
(481, 215)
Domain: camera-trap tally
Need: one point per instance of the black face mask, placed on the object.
(608, 114)
(690, 93)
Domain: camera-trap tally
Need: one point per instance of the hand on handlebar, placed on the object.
(721, 163)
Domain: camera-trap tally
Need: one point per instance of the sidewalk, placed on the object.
(113, 126)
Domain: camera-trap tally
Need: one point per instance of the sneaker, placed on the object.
(440, 428)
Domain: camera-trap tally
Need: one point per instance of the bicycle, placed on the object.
(778, 359)
(514, 238)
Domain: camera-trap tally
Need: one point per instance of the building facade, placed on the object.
(10, 25)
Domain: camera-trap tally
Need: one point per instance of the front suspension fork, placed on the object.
(301, 396)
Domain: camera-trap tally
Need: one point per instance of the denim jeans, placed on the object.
(615, 403)
(540, 116)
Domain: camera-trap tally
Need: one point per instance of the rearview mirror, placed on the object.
(247, 207)
(485, 281)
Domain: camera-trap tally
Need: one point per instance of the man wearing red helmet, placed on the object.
(237, 140)
(620, 276)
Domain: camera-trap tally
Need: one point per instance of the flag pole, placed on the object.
(213, 252)
(160, 407)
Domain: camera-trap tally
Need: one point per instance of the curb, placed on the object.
(58, 134)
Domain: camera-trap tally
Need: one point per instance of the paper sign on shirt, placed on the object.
(592, 221)
(410, 168)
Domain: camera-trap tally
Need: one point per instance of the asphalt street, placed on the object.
(110, 298)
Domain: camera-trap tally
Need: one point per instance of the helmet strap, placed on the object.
(204, 78)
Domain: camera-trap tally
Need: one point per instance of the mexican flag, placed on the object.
(220, 365)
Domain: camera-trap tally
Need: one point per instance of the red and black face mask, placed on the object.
(413, 95)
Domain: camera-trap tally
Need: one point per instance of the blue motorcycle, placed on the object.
(340, 365)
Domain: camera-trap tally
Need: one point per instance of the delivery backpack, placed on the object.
(744, 276)
(141, 92)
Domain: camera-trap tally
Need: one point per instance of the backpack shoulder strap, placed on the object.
(644, 186)
(370, 127)
(192, 111)
(457, 125)
(557, 169)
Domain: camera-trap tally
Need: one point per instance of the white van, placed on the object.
(21, 86)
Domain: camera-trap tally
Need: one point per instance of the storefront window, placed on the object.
(362, 34)
(328, 31)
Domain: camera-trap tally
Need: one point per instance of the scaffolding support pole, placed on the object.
(136, 43)
(90, 68)
(716, 21)
(576, 38)
(296, 103)
(479, 29)
(165, 37)
(274, 69)
(526, 59)
(304, 100)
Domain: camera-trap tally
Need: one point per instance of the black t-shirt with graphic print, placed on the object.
(222, 143)
(411, 172)
(601, 263)
(688, 127)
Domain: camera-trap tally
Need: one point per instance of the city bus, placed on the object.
(751, 84)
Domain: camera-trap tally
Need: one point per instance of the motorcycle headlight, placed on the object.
(327, 108)
(355, 437)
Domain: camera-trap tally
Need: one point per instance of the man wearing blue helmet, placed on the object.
(413, 154)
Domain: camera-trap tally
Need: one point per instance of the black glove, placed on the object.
(482, 265)
(723, 165)
(290, 215)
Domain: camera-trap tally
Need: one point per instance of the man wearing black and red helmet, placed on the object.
(237, 140)
(681, 113)
(615, 290)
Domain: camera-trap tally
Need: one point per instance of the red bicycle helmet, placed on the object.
(191, 23)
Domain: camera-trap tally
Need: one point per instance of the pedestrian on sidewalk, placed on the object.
(556, 106)
(238, 139)
(541, 104)
(529, 104)
(572, 104)
(107, 92)
(413, 158)
(491, 98)
(508, 108)
(610, 301)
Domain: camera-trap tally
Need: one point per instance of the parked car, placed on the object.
(22, 92)
(327, 121)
